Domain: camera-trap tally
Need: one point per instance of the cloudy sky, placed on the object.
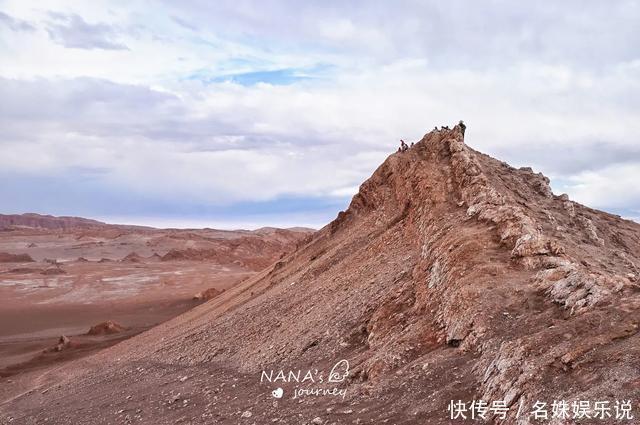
(249, 113)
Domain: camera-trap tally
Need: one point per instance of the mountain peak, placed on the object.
(442, 169)
(451, 275)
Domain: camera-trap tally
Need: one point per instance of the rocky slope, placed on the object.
(254, 250)
(451, 276)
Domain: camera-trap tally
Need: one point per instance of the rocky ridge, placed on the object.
(451, 275)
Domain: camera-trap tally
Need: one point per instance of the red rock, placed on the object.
(106, 328)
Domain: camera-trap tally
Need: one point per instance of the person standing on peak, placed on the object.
(403, 146)
(462, 127)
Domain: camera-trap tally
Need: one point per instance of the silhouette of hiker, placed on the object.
(462, 127)
(403, 146)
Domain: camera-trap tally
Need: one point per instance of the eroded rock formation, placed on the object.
(450, 276)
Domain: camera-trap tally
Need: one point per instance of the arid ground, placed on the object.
(451, 276)
(62, 279)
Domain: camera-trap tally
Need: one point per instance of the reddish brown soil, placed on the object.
(451, 276)
(15, 258)
(93, 279)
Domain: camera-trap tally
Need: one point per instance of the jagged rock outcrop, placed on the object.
(106, 328)
(208, 294)
(64, 343)
(450, 276)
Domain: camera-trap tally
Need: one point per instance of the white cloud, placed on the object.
(74, 32)
(308, 138)
(530, 81)
(614, 187)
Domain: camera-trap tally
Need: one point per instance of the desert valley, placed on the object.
(71, 286)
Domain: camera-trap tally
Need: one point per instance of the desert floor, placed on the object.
(77, 281)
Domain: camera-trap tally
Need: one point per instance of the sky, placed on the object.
(241, 114)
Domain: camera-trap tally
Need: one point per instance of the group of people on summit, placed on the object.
(404, 147)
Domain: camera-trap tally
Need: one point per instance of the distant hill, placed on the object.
(46, 221)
